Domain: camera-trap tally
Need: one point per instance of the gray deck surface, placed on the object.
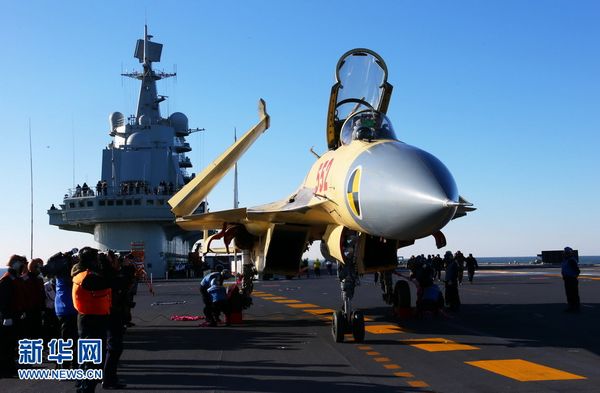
(506, 315)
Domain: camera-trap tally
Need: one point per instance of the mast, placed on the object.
(147, 52)
(236, 202)
(31, 181)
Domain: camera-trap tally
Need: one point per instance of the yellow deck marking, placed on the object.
(365, 347)
(302, 305)
(382, 359)
(262, 294)
(438, 345)
(404, 375)
(289, 301)
(275, 298)
(392, 366)
(418, 384)
(524, 371)
(368, 319)
(373, 353)
(320, 311)
(383, 329)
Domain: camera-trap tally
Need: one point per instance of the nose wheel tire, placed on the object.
(358, 326)
(338, 326)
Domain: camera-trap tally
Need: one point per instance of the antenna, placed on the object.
(31, 181)
(236, 202)
(73, 139)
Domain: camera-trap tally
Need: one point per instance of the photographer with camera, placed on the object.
(122, 280)
(12, 307)
(92, 300)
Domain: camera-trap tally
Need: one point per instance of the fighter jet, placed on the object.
(364, 198)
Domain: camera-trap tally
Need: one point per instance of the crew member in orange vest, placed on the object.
(92, 300)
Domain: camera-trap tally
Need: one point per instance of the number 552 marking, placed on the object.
(322, 175)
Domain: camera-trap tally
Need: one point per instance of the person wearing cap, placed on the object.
(205, 284)
(12, 307)
(36, 297)
(570, 272)
(92, 300)
(122, 281)
(63, 299)
(219, 300)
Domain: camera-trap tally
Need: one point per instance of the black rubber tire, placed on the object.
(338, 323)
(402, 294)
(358, 326)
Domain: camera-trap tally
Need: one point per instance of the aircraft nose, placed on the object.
(405, 193)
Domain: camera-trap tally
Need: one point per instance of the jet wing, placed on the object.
(187, 200)
(301, 208)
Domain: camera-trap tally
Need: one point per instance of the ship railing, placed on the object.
(122, 191)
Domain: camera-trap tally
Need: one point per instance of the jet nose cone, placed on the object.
(405, 192)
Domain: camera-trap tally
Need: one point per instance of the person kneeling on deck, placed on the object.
(218, 297)
(204, 285)
(431, 300)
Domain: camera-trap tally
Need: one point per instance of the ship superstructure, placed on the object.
(142, 167)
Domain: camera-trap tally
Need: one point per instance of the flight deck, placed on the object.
(511, 334)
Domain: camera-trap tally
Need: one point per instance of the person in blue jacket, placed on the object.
(204, 285)
(63, 301)
(570, 272)
(218, 297)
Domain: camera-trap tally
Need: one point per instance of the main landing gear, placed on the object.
(346, 320)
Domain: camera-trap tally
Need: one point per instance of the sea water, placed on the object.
(583, 260)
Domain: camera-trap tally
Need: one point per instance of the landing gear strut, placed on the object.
(346, 320)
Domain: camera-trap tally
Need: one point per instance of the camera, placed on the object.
(59, 264)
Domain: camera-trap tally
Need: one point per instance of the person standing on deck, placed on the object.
(472, 265)
(570, 272)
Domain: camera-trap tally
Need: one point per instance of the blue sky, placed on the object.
(505, 93)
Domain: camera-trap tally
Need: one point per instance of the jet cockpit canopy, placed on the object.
(367, 125)
(361, 83)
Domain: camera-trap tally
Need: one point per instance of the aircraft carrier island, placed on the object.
(142, 167)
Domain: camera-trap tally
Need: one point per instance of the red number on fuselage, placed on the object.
(322, 174)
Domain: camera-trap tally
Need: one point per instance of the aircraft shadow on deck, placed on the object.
(188, 362)
(522, 325)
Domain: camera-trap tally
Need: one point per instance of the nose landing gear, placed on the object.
(346, 320)
(343, 325)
